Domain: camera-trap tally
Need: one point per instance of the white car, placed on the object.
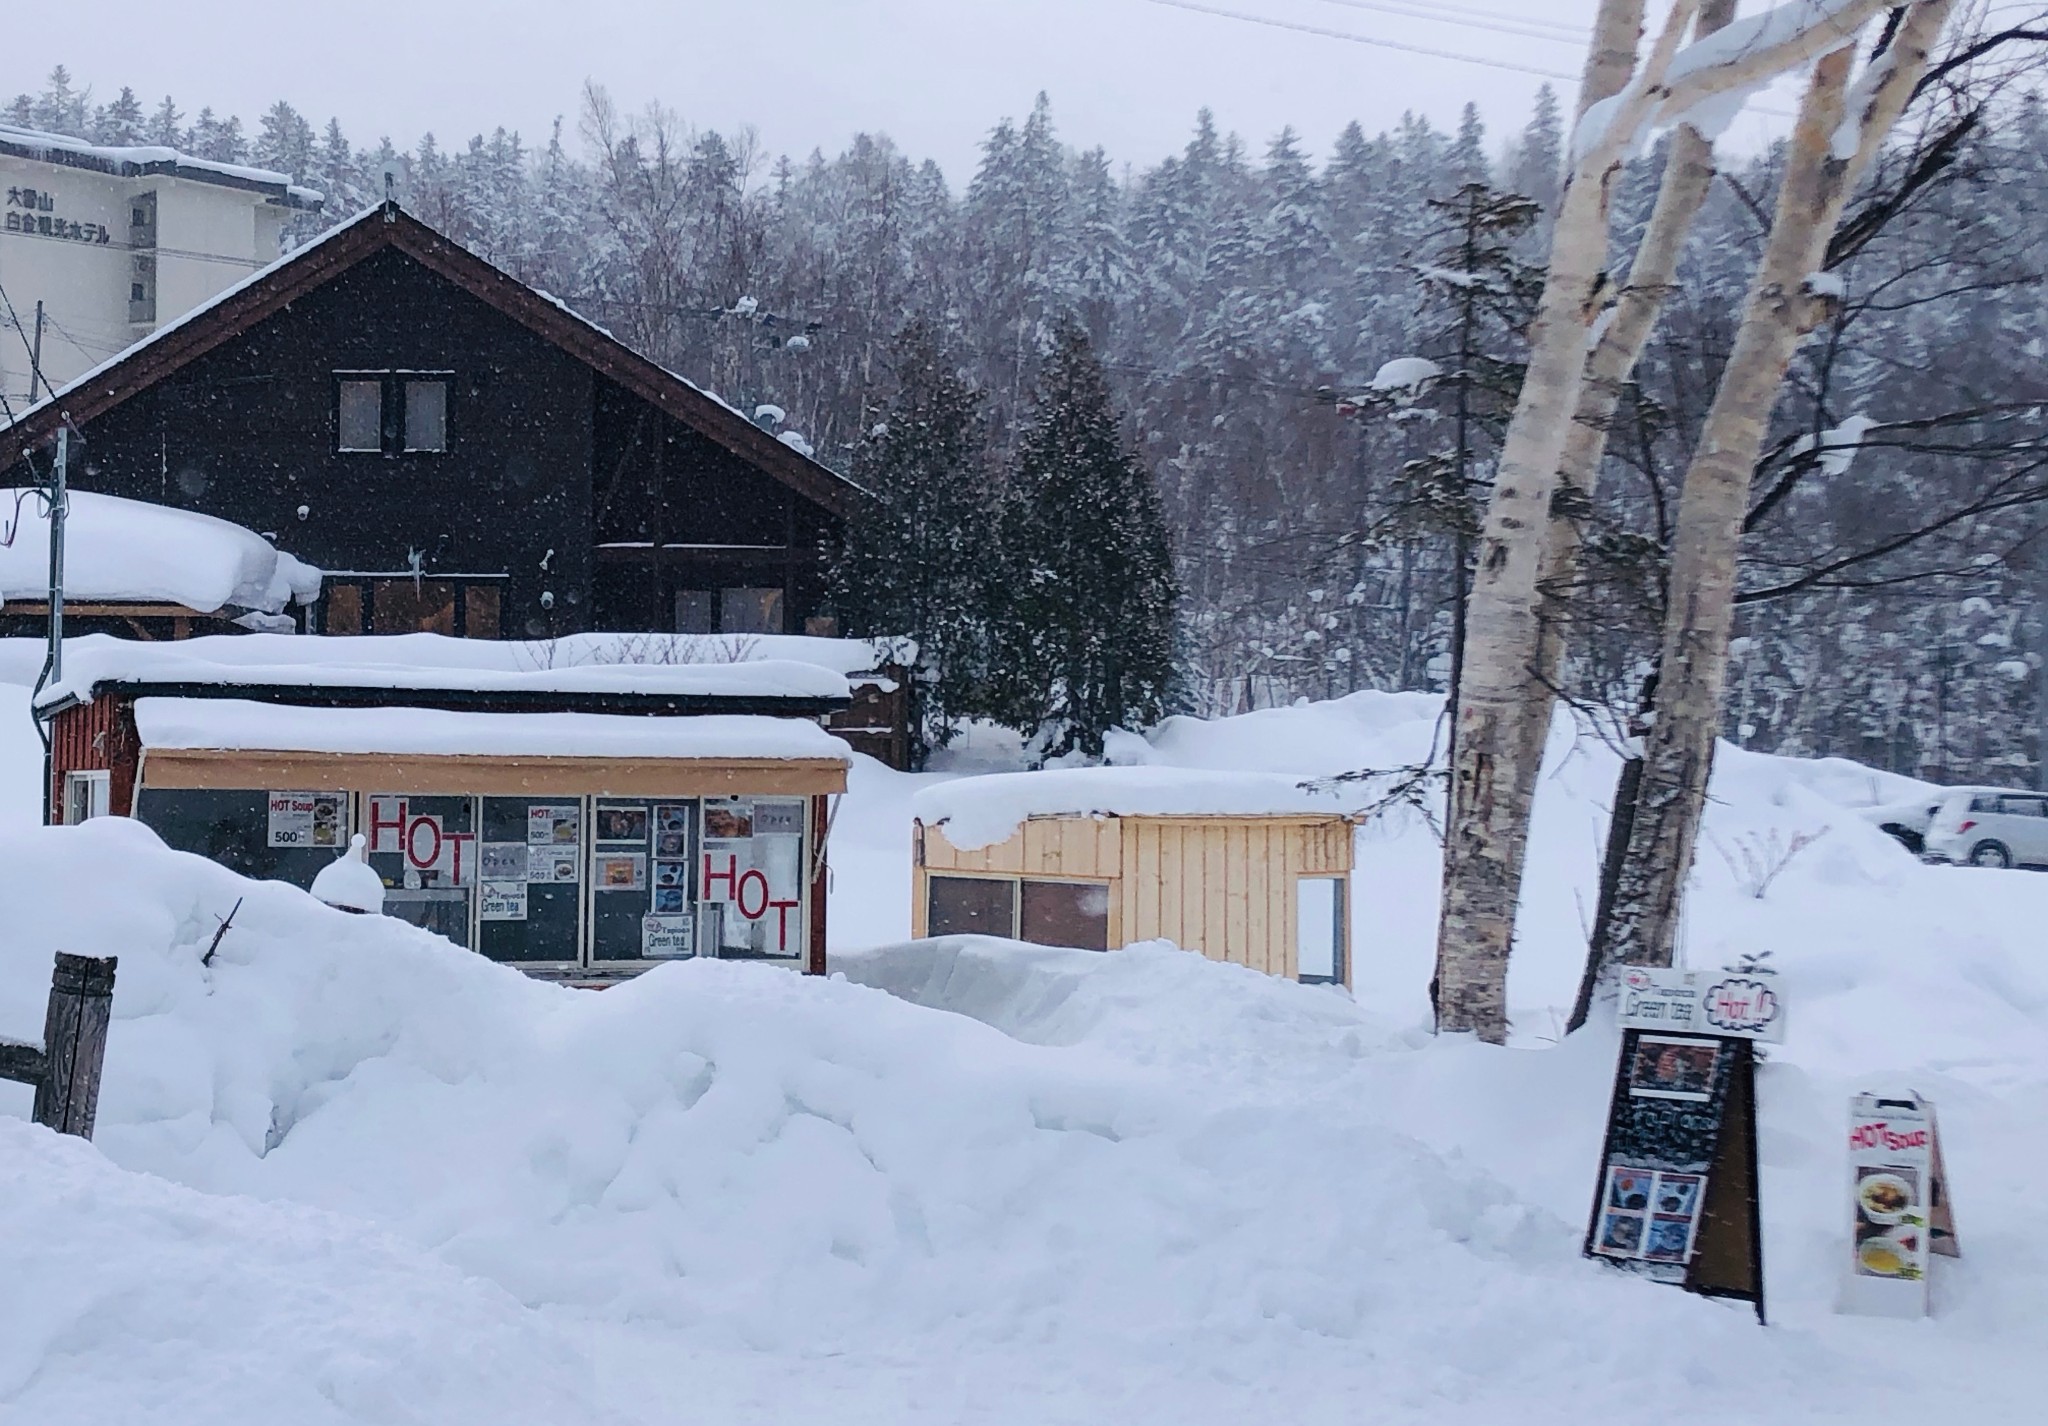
(1984, 827)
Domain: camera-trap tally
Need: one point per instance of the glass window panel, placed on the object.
(750, 611)
(426, 415)
(641, 903)
(1319, 929)
(361, 416)
(1065, 913)
(750, 879)
(409, 606)
(538, 918)
(480, 605)
(971, 906)
(694, 612)
(232, 827)
(425, 849)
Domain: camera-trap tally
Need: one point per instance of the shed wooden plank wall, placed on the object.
(1224, 886)
(95, 737)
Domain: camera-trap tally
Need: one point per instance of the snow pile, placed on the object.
(1131, 1186)
(981, 811)
(1407, 375)
(129, 551)
(348, 883)
(409, 663)
(235, 723)
(132, 1301)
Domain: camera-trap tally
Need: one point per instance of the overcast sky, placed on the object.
(933, 74)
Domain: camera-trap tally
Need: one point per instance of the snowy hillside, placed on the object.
(974, 1182)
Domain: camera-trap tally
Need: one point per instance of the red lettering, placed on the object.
(730, 876)
(739, 894)
(379, 825)
(412, 841)
(782, 922)
(456, 842)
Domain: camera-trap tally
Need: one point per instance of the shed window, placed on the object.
(361, 416)
(971, 906)
(1319, 930)
(750, 611)
(86, 796)
(1064, 913)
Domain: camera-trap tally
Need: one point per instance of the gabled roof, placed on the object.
(308, 268)
(150, 161)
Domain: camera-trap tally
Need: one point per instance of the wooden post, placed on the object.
(75, 1042)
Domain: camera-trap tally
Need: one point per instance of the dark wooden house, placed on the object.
(460, 453)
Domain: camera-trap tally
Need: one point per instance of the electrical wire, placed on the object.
(1324, 32)
(1544, 30)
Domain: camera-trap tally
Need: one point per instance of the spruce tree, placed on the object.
(1085, 642)
(917, 553)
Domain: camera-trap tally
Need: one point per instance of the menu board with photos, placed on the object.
(1676, 1199)
(1899, 1209)
(643, 893)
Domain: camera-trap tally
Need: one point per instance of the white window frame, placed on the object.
(98, 786)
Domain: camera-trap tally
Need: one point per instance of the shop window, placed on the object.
(273, 836)
(480, 610)
(1064, 913)
(531, 864)
(971, 906)
(86, 795)
(642, 891)
(750, 879)
(750, 611)
(1319, 930)
(425, 849)
(412, 606)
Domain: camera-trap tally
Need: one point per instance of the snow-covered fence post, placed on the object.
(65, 1068)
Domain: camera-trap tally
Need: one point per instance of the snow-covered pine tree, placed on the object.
(61, 108)
(285, 142)
(916, 559)
(166, 125)
(122, 122)
(1085, 642)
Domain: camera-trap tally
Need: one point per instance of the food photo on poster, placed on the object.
(1667, 1067)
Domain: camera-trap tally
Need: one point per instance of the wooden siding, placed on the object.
(95, 737)
(1224, 886)
(492, 776)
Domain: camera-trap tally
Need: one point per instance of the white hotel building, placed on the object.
(115, 242)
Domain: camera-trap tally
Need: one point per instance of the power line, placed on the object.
(1520, 29)
(1323, 32)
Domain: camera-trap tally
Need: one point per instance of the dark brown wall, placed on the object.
(247, 433)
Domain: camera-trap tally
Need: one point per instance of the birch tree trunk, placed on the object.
(1489, 810)
(1779, 310)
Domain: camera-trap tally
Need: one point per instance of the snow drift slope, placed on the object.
(1148, 1188)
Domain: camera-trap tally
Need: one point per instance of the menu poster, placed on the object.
(1676, 1200)
(552, 824)
(621, 871)
(622, 824)
(729, 817)
(548, 866)
(306, 819)
(503, 901)
(1899, 1211)
(667, 938)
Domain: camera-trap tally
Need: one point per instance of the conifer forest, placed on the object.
(1294, 374)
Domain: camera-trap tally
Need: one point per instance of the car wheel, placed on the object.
(1990, 854)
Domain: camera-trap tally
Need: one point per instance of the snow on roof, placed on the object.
(232, 723)
(129, 550)
(303, 661)
(981, 811)
(134, 160)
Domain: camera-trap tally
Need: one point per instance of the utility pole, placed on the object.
(35, 356)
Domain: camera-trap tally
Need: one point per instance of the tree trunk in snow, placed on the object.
(1487, 828)
(1780, 309)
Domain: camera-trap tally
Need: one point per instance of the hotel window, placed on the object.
(391, 413)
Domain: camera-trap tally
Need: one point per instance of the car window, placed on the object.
(1984, 804)
(2023, 806)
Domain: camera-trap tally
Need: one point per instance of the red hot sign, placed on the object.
(421, 839)
(749, 891)
(1881, 1135)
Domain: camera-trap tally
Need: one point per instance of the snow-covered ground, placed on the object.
(349, 1173)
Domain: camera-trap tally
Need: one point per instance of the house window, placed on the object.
(391, 413)
(86, 795)
(971, 906)
(361, 416)
(1319, 930)
(426, 416)
(750, 611)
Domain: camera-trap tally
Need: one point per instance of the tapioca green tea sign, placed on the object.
(1677, 1195)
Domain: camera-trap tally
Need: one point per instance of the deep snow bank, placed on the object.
(130, 1300)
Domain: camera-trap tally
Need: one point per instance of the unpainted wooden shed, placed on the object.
(1101, 858)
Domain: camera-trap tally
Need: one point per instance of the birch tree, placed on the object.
(1489, 812)
(1837, 135)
